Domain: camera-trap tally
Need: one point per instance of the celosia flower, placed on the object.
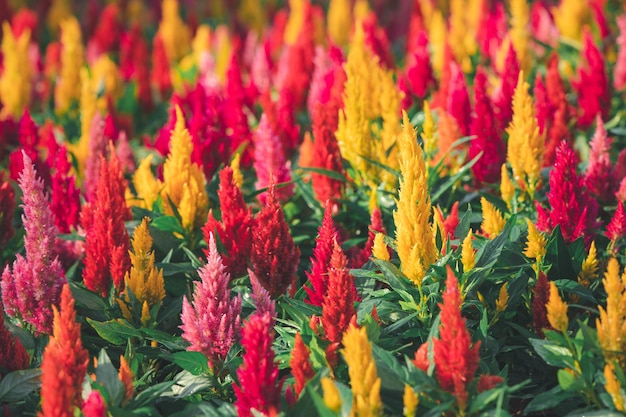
(540, 300)
(160, 76)
(488, 138)
(619, 71)
(64, 362)
(611, 324)
(15, 83)
(34, 285)
(507, 188)
(235, 227)
(410, 401)
(274, 255)
(616, 229)
(259, 387)
(320, 261)
(332, 399)
(338, 304)
(106, 34)
(24, 20)
(592, 84)
(143, 280)
(364, 379)
(125, 375)
(570, 205)
(211, 322)
(503, 299)
(94, 405)
(488, 382)
(380, 250)
(7, 206)
(64, 196)
(536, 243)
(339, 21)
(557, 310)
(493, 220)
(13, 356)
(68, 87)
(414, 236)
(421, 357)
(519, 33)
(525, 145)
(98, 145)
(600, 178)
(175, 35)
(613, 387)
(418, 76)
(456, 361)
(300, 364)
(468, 255)
(261, 298)
(458, 105)
(570, 16)
(589, 268)
(147, 188)
(134, 64)
(270, 162)
(106, 242)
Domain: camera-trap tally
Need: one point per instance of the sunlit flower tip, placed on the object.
(503, 299)
(536, 243)
(300, 364)
(338, 305)
(421, 357)
(589, 268)
(557, 310)
(125, 374)
(332, 399)
(493, 220)
(380, 251)
(613, 387)
(94, 405)
(410, 400)
(235, 165)
(364, 378)
(617, 227)
(468, 255)
(507, 188)
(428, 131)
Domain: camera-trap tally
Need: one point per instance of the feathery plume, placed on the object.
(612, 324)
(320, 262)
(540, 300)
(300, 364)
(589, 268)
(619, 71)
(270, 161)
(600, 177)
(536, 243)
(94, 405)
(557, 310)
(493, 220)
(468, 255)
(68, 88)
(15, 82)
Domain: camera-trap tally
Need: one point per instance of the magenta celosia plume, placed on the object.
(270, 162)
(600, 177)
(34, 284)
(211, 322)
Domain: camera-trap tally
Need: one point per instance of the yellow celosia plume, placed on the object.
(332, 399)
(570, 17)
(589, 269)
(536, 243)
(468, 255)
(143, 280)
(414, 233)
(525, 146)
(613, 387)
(503, 299)
(106, 81)
(410, 400)
(339, 21)
(58, 12)
(175, 34)
(15, 84)
(297, 10)
(493, 221)
(519, 32)
(147, 187)
(507, 188)
(611, 326)
(557, 309)
(88, 100)
(379, 249)
(362, 370)
(68, 87)
(184, 180)
(462, 34)
(252, 14)
(437, 37)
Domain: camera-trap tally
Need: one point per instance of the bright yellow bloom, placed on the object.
(493, 221)
(361, 10)
(429, 128)
(536, 243)
(224, 51)
(135, 12)
(252, 14)
(519, 33)
(503, 299)
(468, 256)
(175, 34)
(297, 9)
(507, 188)
(68, 87)
(437, 37)
(557, 310)
(611, 326)
(58, 12)
(613, 387)
(184, 181)
(147, 187)
(525, 146)
(106, 81)
(331, 394)
(143, 280)
(235, 164)
(339, 21)
(589, 269)
(80, 149)
(15, 83)
(379, 250)
(462, 38)
(390, 98)
(201, 43)
(411, 401)
(414, 232)
(570, 17)
(364, 379)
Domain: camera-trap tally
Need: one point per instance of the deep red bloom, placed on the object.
(106, 34)
(541, 295)
(504, 96)
(458, 104)
(160, 77)
(13, 356)
(376, 40)
(592, 84)
(64, 362)
(338, 305)
(616, 229)
(134, 64)
(259, 386)
(492, 29)
(300, 363)
(64, 196)
(456, 361)
(488, 136)
(28, 138)
(22, 20)
(162, 139)
(320, 262)
(569, 202)
(418, 76)
(106, 241)
(274, 256)
(234, 230)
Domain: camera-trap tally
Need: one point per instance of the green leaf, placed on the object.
(17, 385)
(167, 224)
(552, 353)
(559, 257)
(326, 172)
(547, 400)
(86, 298)
(116, 331)
(311, 404)
(107, 377)
(574, 287)
(151, 395)
(194, 362)
(454, 179)
(188, 383)
(568, 381)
